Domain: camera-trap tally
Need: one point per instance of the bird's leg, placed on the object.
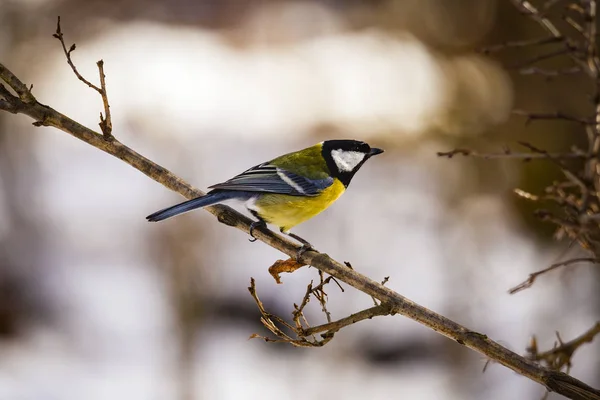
(305, 244)
(256, 224)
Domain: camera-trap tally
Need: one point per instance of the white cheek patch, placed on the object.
(346, 161)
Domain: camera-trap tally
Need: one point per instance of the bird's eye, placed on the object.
(363, 147)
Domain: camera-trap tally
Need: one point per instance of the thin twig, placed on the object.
(540, 57)
(520, 43)
(322, 296)
(526, 195)
(552, 116)
(561, 354)
(299, 310)
(105, 123)
(533, 276)
(271, 321)
(531, 11)
(572, 176)
(508, 154)
(379, 310)
(527, 8)
(570, 21)
(59, 35)
(549, 73)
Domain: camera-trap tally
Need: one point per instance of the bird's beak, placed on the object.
(374, 151)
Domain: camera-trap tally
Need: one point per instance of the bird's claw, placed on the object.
(306, 246)
(254, 225)
(303, 249)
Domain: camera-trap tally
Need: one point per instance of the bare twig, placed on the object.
(552, 116)
(105, 123)
(571, 175)
(379, 310)
(574, 24)
(533, 276)
(304, 333)
(561, 354)
(298, 313)
(531, 11)
(526, 195)
(520, 43)
(549, 73)
(538, 58)
(271, 322)
(321, 295)
(528, 9)
(383, 282)
(59, 35)
(507, 153)
(300, 321)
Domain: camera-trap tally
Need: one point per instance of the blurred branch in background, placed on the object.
(508, 153)
(391, 302)
(560, 355)
(573, 204)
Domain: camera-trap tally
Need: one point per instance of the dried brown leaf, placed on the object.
(290, 265)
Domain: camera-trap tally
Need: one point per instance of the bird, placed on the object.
(288, 190)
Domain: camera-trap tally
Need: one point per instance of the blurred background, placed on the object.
(96, 303)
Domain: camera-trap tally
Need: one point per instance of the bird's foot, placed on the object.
(306, 246)
(303, 249)
(254, 225)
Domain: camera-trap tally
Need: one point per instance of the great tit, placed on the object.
(289, 189)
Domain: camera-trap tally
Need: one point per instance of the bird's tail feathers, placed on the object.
(199, 202)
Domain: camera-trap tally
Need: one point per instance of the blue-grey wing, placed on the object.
(268, 178)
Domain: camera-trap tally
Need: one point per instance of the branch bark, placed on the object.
(46, 116)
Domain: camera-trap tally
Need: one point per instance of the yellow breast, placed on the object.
(287, 211)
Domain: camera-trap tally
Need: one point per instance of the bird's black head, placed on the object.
(345, 157)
